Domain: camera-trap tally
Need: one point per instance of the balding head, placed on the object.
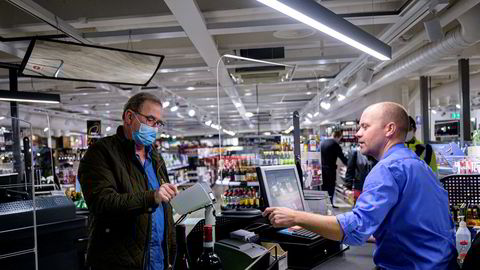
(391, 112)
(382, 125)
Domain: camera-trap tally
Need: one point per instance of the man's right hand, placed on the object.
(165, 193)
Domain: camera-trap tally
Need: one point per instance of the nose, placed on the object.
(359, 133)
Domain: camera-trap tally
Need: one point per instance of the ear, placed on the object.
(128, 117)
(390, 129)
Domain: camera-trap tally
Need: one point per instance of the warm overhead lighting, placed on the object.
(166, 104)
(309, 115)
(174, 108)
(458, 106)
(190, 88)
(33, 97)
(45, 129)
(248, 114)
(434, 111)
(255, 60)
(191, 112)
(108, 128)
(322, 19)
(340, 97)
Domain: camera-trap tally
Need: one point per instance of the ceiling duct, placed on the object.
(266, 73)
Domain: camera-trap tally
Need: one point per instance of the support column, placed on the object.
(424, 108)
(296, 145)
(17, 158)
(464, 85)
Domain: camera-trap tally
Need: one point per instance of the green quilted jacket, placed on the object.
(115, 188)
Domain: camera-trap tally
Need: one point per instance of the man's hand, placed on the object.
(165, 193)
(281, 216)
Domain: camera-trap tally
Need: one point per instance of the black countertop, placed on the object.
(354, 258)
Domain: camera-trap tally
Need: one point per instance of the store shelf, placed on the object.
(8, 174)
(237, 184)
(177, 167)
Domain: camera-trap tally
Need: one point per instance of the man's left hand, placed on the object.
(281, 216)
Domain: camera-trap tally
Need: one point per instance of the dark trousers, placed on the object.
(329, 177)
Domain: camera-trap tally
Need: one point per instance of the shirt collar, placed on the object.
(393, 149)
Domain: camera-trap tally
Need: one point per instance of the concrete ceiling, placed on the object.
(194, 34)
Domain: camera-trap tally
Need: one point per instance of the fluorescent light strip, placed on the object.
(255, 60)
(319, 26)
(29, 100)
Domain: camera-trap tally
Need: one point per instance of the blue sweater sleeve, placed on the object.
(380, 194)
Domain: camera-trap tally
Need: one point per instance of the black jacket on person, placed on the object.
(330, 151)
(358, 168)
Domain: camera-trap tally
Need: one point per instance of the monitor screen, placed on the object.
(281, 187)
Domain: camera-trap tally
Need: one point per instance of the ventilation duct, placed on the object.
(454, 42)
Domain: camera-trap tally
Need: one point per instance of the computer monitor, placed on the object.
(281, 187)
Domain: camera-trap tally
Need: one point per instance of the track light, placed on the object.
(174, 108)
(322, 19)
(165, 104)
(248, 114)
(191, 112)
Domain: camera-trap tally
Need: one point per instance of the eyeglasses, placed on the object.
(152, 121)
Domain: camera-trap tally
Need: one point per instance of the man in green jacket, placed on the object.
(126, 187)
(423, 151)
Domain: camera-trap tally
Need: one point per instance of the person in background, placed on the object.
(424, 151)
(330, 151)
(402, 203)
(127, 191)
(358, 168)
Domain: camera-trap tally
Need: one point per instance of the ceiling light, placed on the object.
(107, 104)
(86, 112)
(434, 111)
(2, 117)
(166, 104)
(458, 106)
(190, 88)
(307, 121)
(325, 105)
(237, 105)
(107, 111)
(45, 129)
(174, 137)
(248, 114)
(174, 108)
(33, 97)
(108, 128)
(191, 112)
(212, 106)
(340, 97)
(267, 133)
(325, 122)
(472, 119)
(322, 19)
(309, 115)
(179, 115)
(248, 94)
(208, 123)
(251, 125)
(322, 79)
(316, 114)
(309, 93)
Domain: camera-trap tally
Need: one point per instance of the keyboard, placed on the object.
(300, 233)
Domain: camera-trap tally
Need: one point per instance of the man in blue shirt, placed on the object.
(402, 204)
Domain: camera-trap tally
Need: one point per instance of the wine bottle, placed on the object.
(181, 257)
(208, 260)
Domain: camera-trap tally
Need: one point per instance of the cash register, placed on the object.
(280, 187)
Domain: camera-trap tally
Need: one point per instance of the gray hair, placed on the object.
(135, 102)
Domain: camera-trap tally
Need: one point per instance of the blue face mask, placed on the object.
(146, 135)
